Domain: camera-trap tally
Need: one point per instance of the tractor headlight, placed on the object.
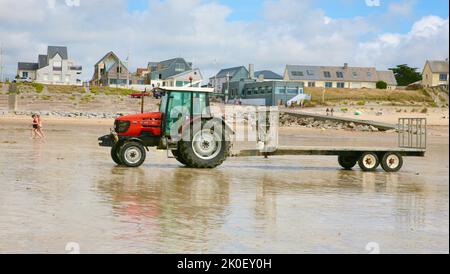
(121, 126)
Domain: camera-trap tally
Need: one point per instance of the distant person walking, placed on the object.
(328, 112)
(35, 127)
(39, 130)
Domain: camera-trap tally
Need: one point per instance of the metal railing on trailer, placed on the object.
(412, 133)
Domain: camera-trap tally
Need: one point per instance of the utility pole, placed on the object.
(128, 68)
(1, 63)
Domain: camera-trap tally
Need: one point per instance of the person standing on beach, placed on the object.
(35, 126)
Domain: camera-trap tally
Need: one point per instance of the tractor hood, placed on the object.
(140, 117)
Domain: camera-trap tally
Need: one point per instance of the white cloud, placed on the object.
(428, 39)
(289, 32)
(404, 8)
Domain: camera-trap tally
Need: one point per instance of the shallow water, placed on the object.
(67, 189)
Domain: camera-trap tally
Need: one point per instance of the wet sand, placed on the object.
(67, 189)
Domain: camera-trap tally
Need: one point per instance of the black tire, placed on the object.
(189, 150)
(132, 154)
(115, 154)
(347, 162)
(392, 162)
(369, 162)
(178, 157)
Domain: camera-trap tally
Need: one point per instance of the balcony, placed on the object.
(79, 68)
(57, 68)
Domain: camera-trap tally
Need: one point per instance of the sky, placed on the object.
(216, 34)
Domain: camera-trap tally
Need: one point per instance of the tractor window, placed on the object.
(179, 109)
(200, 104)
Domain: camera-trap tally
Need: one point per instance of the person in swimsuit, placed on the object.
(39, 129)
(35, 131)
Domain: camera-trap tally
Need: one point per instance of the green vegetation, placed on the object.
(361, 103)
(112, 91)
(396, 97)
(424, 111)
(382, 85)
(46, 97)
(406, 75)
(86, 99)
(39, 87)
(72, 98)
(60, 89)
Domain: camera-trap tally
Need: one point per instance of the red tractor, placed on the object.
(184, 125)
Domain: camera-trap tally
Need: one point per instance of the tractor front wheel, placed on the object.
(132, 154)
(115, 154)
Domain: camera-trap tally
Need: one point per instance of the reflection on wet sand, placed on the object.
(181, 205)
(67, 189)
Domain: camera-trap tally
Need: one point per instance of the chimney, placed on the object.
(251, 71)
(345, 65)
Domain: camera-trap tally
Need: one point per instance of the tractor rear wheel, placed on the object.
(178, 157)
(115, 154)
(132, 154)
(208, 148)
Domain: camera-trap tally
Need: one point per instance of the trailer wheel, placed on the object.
(347, 162)
(115, 154)
(369, 161)
(178, 157)
(132, 154)
(392, 162)
(208, 148)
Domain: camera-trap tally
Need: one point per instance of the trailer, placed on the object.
(412, 142)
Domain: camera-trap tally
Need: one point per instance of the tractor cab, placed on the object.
(183, 105)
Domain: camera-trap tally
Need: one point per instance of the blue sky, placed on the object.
(250, 10)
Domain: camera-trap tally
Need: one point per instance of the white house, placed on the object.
(53, 68)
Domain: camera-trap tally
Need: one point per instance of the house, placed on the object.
(53, 68)
(110, 71)
(228, 75)
(265, 93)
(435, 73)
(174, 72)
(339, 77)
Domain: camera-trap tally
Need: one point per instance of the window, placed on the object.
(310, 72)
(355, 74)
(179, 83)
(339, 74)
(57, 64)
(292, 91)
(369, 74)
(119, 69)
(25, 74)
(328, 84)
(340, 85)
(327, 74)
(280, 90)
(200, 107)
(160, 77)
(297, 73)
(442, 77)
(179, 67)
(311, 84)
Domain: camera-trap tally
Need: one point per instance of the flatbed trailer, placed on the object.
(412, 139)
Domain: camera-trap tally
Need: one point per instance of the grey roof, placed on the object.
(438, 66)
(229, 71)
(167, 63)
(268, 75)
(53, 50)
(43, 61)
(334, 73)
(388, 77)
(27, 66)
